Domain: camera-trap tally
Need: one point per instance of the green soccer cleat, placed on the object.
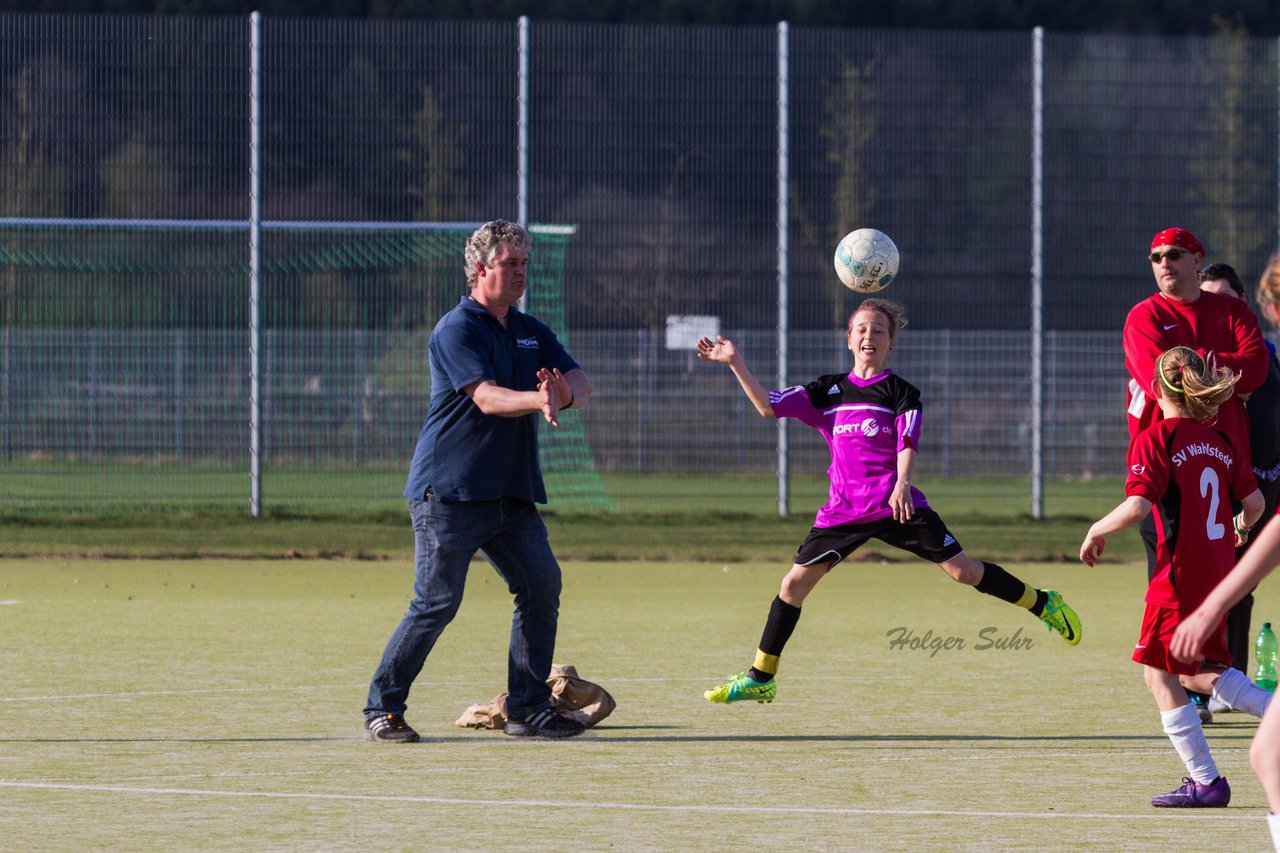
(742, 687)
(1059, 616)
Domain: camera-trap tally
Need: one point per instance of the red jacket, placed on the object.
(1214, 324)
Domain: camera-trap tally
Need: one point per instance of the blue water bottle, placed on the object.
(1265, 653)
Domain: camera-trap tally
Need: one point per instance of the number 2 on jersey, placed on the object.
(1209, 486)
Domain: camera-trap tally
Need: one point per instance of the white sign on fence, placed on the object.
(685, 330)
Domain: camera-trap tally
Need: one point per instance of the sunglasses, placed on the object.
(1172, 254)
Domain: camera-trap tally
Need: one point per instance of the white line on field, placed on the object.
(10, 601)
(1253, 815)
(440, 682)
(421, 771)
(155, 693)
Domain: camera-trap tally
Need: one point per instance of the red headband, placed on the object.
(1180, 237)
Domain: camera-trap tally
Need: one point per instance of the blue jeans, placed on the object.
(511, 535)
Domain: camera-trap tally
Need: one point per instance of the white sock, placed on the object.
(1235, 688)
(1273, 822)
(1182, 725)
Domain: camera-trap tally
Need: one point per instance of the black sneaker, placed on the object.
(389, 728)
(544, 724)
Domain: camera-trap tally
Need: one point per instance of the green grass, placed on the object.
(168, 704)
(757, 494)
(58, 490)
(726, 518)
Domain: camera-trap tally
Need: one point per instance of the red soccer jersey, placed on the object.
(1191, 473)
(1213, 324)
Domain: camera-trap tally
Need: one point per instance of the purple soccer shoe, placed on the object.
(1196, 795)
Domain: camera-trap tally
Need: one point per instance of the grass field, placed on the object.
(183, 704)
(58, 491)
(719, 518)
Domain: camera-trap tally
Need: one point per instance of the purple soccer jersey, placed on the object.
(866, 422)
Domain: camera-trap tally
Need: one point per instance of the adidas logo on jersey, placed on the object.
(949, 540)
(834, 389)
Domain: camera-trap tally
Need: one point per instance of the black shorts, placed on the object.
(924, 535)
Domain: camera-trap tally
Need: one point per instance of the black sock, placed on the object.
(1000, 584)
(777, 630)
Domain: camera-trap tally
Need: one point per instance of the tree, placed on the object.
(34, 179)
(434, 155)
(362, 119)
(32, 183)
(849, 126)
(137, 182)
(1229, 177)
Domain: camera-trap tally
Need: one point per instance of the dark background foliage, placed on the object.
(1257, 17)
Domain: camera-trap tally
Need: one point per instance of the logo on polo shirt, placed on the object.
(868, 427)
(527, 343)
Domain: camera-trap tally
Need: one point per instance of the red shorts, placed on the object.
(1158, 625)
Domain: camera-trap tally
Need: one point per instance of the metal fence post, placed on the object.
(522, 134)
(179, 389)
(784, 471)
(1037, 273)
(255, 263)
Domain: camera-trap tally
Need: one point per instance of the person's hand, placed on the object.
(1242, 532)
(1192, 633)
(559, 386)
(1092, 547)
(549, 401)
(721, 350)
(901, 503)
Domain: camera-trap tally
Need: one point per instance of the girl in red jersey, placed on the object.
(1186, 468)
(1198, 628)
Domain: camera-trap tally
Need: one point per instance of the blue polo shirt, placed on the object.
(462, 453)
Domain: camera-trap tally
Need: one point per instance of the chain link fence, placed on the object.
(660, 145)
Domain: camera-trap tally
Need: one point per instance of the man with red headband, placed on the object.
(1180, 314)
(1217, 326)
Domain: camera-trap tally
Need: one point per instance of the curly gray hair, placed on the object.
(482, 246)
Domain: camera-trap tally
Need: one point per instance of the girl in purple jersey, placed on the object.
(870, 419)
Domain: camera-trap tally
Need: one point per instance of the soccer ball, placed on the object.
(866, 260)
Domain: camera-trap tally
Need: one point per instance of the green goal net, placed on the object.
(126, 357)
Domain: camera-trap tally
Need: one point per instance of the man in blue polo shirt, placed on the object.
(474, 483)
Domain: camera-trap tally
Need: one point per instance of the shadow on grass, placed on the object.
(355, 738)
(1242, 730)
(907, 739)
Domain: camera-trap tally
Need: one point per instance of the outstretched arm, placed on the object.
(1130, 511)
(723, 351)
